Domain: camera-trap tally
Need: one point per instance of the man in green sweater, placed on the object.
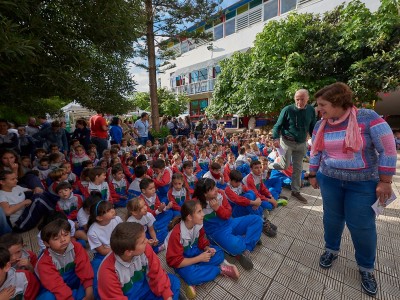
(290, 133)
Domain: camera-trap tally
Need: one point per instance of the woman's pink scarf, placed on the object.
(352, 140)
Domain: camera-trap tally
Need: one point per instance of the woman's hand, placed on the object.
(314, 183)
(383, 191)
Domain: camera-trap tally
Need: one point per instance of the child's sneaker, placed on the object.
(245, 260)
(265, 214)
(230, 271)
(190, 292)
(281, 202)
(161, 248)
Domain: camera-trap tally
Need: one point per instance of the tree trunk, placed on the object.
(151, 56)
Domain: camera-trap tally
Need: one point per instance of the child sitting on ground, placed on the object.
(137, 212)
(16, 284)
(64, 267)
(236, 236)
(188, 176)
(118, 186)
(78, 157)
(20, 258)
(162, 179)
(178, 193)
(97, 177)
(216, 174)
(189, 251)
(130, 248)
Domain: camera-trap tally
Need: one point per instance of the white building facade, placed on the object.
(235, 29)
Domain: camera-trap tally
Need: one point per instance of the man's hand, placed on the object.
(276, 143)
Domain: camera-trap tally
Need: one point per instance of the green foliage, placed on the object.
(169, 104)
(349, 44)
(75, 50)
(162, 133)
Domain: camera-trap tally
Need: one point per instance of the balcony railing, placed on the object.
(196, 87)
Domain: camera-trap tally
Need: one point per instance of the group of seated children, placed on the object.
(195, 189)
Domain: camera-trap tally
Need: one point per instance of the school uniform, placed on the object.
(99, 235)
(70, 206)
(148, 221)
(25, 283)
(217, 179)
(77, 163)
(232, 235)
(134, 188)
(118, 189)
(141, 278)
(64, 276)
(162, 218)
(190, 182)
(42, 246)
(162, 184)
(227, 170)
(188, 243)
(256, 184)
(102, 188)
(26, 254)
(178, 198)
(204, 164)
(241, 199)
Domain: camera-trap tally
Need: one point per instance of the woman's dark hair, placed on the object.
(10, 151)
(81, 122)
(188, 208)
(338, 93)
(4, 257)
(114, 121)
(201, 188)
(99, 209)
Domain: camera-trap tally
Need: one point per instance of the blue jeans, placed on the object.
(4, 227)
(350, 202)
(143, 140)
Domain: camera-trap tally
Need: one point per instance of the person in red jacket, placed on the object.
(162, 178)
(132, 270)
(178, 193)
(63, 268)
(189, 251)
(16, 284)
(20, 258)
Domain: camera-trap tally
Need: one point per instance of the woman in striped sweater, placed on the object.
(353, 159)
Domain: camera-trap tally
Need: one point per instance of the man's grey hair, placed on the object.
(303, 91)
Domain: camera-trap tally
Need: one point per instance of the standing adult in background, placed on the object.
(81, 133)
(99, 132)
(43, 123)
(8, 139)
(187, 125)
(115, 131)
(353, 159)
(141, 128)
(290, 133)
(53, 135)
(31, 127)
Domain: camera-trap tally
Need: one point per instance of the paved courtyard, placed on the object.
(286, 267)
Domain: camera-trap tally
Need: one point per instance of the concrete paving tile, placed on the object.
(270, 295)
(277, 288)
(311, 294)
(331, 293)
(296, 286)
(351, 293)
(238, 291)
(290, 295)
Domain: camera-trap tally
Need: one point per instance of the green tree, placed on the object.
(349, 44)
(74, 50)
(168, 103)
(168, 20)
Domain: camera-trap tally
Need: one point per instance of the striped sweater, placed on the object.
(377, 156)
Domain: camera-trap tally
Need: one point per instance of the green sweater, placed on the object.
(295, 123)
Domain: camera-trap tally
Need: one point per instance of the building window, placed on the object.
(216, 71)
(198, 107)
(194, 76)
(218, 32)
(270, 9)
(230, 27)
(287, 5)
(254, 3)
(203, 74)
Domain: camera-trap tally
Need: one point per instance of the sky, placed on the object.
(141, 76)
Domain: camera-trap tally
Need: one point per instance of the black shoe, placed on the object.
(368, 283)
(259, 243)
(267, 229)
(274, 227)
(326, 259)
(299, 197)
(245, 260)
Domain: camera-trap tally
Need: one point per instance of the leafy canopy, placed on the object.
(349, 44)
(169, 104)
